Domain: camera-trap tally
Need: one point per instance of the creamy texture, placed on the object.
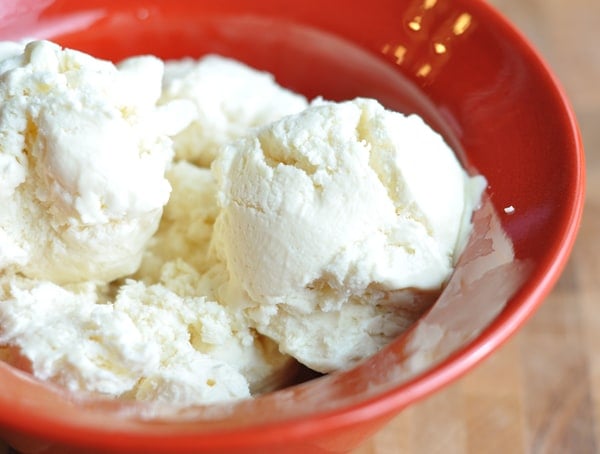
(327, 214)
(84, 152)
(160, 338)
(187, 222)
(230, 99)
(11, 49)
(177, 257)
(87, 169)
(130, 269)
(148, 343)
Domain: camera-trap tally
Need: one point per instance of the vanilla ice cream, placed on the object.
(82, 164)
(129, 347)
(177, 258)
(230, 99)
(86, 167)
(130, 269)
(328, 216)
(187, 222)
(163, 342)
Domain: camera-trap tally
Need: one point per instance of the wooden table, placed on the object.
(541, 392)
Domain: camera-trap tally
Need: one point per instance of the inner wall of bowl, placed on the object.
(304, 59)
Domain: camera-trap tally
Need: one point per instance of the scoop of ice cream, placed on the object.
(143, 343)
(338, 225)
(230, 99)
(160, 342)
(82, 163)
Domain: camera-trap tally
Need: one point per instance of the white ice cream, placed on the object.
(187, 222)
(147, 343)
(82, 163)
(230, 99)
(130, 269)
(329, 216)
(177, 257)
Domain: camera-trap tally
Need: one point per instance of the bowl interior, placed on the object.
(457, 64)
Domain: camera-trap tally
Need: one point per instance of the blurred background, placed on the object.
(541, 392)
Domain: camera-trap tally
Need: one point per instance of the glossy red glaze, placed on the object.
(459, 64)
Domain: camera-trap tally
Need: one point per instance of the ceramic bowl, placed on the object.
(457, 63)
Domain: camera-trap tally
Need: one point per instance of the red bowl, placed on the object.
(457, 63)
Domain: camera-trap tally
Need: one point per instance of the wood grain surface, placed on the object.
(541, 392)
